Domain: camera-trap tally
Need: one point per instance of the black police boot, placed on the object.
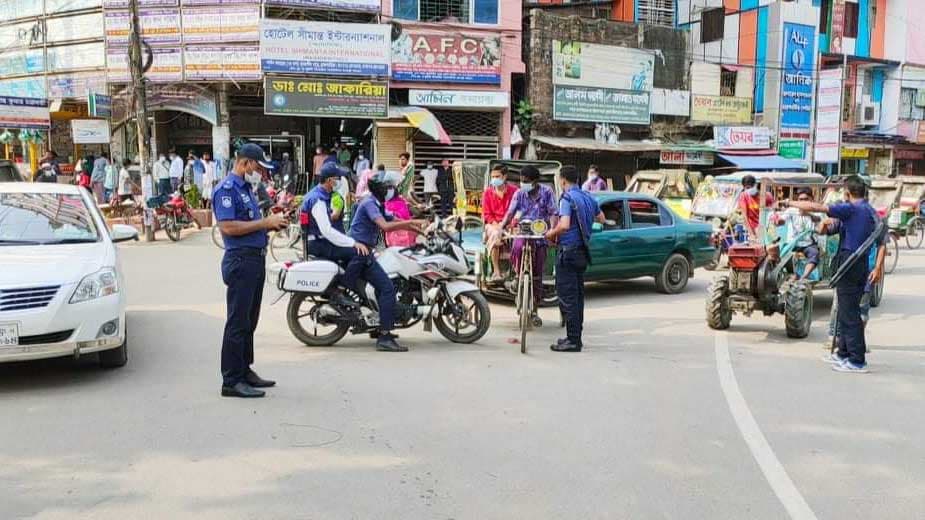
(566, 346)
(387, 343)
(256, 381)
(241, 389)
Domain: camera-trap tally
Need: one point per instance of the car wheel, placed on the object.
(117, 357)
(674, 275)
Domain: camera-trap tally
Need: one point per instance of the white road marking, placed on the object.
(773, 470)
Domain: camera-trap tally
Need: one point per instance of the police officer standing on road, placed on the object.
(858, 223)
(245, 235)
(577, 212)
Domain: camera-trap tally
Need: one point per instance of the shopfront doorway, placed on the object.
(276, 145)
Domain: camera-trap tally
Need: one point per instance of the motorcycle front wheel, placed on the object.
(465, 319)
(302, 317)
(172, 228)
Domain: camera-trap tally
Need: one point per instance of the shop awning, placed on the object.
(763, 162)
(422, 119)
(586, 143)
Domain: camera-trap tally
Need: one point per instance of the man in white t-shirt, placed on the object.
(125, 184)
(430, 180)
(176, 169)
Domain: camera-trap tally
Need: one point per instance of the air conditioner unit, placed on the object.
(867, 113)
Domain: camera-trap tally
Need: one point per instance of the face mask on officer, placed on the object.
(253, 178)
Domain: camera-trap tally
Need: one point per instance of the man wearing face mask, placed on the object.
(594, 182)
(361, 164)
(176, 170)
(245, 235)
(749, 203)
(324, 235)
(368, 219)
(533, 202)
(496, 199)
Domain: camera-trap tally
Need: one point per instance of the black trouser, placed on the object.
(571, 264)
(367, 268)
(446, 203)
(243, 273)
(850, 289)
(322, 248)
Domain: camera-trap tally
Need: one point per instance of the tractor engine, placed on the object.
(744, 266)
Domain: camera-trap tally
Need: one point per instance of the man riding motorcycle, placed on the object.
(369, 218)
(323, 237)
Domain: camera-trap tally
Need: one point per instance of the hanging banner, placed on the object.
(90, 131)
(600, 105)
(838, 27)
(166, 67)
(221, 24)
(798, 86)
(220, 2)
(17, 112)
(75, 85)
(158, 27)
(238, 62)
(591, 65)
(350, 49)
(99, 105)
(317, 97)
(125, 4)
(349, 5)
(721, 109)
(446, 58)
(828, 116)
(24, 87)
(741, 137)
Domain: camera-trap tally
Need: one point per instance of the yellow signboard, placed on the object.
(721, 109)
(854, 153)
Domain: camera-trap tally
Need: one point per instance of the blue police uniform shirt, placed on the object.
(587, 208)
(364, 228)
(858, 220)
(316, 194)
(233, 199)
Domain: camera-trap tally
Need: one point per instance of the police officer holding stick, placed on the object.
(578, 210)
(243, 268)
(860, 225)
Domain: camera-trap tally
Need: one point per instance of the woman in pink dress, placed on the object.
(399, 208)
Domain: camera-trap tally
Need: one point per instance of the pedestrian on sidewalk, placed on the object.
(176, 170)
(577, 212)
(161, 169)
(98, 177)
(858, 222)
(243, 269)
(208, 180)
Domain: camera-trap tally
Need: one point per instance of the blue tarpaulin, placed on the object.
(763, 162)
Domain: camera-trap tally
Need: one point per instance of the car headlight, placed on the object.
(101, 283)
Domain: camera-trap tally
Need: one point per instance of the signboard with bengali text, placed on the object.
(600, 105)
(446, 58)
(686, 157)
(17, 112)
(741, 137)
(238, 62)
(828, 116)
(158, 27)
(90, 131)
(319, 97)
(348, 5)
(166, 67)
(344, 49)
(608, 66)
(219, 24)
(484, 99)
(721, 109)
(798, 84)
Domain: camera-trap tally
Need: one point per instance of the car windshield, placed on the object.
(715, 199)
(645, 186)
(882, 197)
(45, 218)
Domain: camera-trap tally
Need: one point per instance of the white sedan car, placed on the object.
(61, 287)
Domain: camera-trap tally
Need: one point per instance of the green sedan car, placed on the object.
(641, 236)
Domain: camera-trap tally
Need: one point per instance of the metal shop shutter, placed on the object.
(390, 143)
(475, 135)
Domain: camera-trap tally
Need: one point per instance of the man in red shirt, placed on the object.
(495, 201)
(749, 204)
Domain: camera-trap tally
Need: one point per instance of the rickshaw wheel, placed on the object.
(892, 252)
(915, 233)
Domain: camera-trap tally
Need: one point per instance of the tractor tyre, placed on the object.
(719, 315)
(798, 310)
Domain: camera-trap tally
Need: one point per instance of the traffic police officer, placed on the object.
(324, 238)
(577, 212)
(370, 217)
(245, 235)
(858, 221)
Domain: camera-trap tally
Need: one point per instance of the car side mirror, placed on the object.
(597, 227)
(123, 233)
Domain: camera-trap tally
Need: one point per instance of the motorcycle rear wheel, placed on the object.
(476, 307)
(172, 228)
(294, 316)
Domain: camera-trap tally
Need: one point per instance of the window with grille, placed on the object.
(465, 11)
(656, 12)
(712, 25)
(727, 82)
(907, 106)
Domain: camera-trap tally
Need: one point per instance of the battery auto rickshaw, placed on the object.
(674, 186)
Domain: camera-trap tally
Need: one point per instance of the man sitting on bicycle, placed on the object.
(533, 202)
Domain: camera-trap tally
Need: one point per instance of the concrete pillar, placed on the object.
(221, 133)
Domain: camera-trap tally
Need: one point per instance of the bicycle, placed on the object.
(524, 301)
(286, 244)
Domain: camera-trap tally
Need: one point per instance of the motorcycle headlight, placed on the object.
(101, 283)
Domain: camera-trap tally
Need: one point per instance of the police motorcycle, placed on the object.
(428, 282)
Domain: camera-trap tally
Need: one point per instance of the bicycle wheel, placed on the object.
(915, 233)
(892, 254)
(526, 296)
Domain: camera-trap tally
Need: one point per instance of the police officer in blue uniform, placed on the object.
(577, 212)
(325, 237)
(368, 219)
(858, 222)
(245, 235)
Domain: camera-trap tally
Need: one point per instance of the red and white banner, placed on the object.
(828, 116)
(19, 112)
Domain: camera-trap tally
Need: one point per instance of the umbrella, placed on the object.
(423, 120)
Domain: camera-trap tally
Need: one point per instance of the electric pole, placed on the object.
(139, 104)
